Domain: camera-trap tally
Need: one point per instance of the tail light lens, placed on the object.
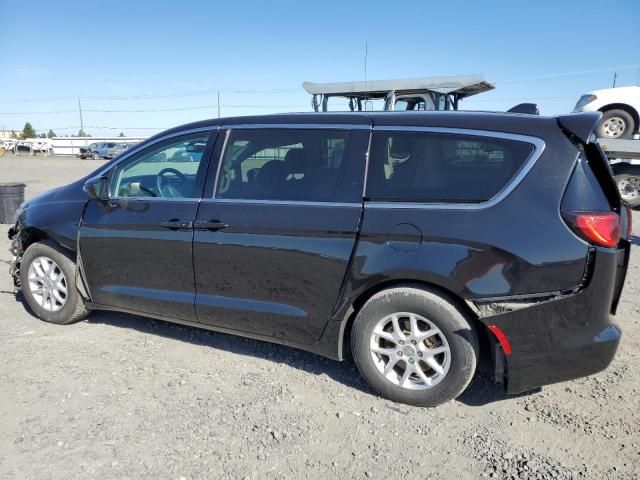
(600, 228)
(502, 338)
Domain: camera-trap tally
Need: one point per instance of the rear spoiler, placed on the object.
(582, 125)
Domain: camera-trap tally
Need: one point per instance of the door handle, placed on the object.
(175, 224)
(210, 225)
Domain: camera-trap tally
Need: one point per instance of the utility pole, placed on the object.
(615, 75)
(81, 122)
(218, 103)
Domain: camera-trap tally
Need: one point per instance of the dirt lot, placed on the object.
(119, 396)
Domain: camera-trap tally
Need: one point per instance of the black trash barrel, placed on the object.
(11, 196)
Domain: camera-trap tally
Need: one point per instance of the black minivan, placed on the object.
(411, 241)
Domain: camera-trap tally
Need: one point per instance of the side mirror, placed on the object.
(97, 188)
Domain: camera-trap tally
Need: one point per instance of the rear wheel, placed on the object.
(616, 124)
(412, 345)
(47, 278)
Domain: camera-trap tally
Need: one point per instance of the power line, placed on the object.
(208, 91)
(214, 91)
(568, 74)
(39, 113)
(177, 109)
(128, 128)
(151, 110)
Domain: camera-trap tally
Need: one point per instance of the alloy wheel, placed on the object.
(410, 351)
(47, 284)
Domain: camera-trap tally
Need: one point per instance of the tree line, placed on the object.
(29, 132)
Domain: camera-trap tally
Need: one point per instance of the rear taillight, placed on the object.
(600, 228)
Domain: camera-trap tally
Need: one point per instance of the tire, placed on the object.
(629, 188)
(432, 312)
(51, 309)
(95, 156)
(616, 124)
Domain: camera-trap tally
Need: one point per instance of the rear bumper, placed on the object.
(568, 337)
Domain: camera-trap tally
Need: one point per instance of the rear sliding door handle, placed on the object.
(175, 224)
(209, 225)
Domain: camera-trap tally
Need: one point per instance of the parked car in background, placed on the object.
(33, 146)
(404, 239)
(9, 145)
(117, 150)
(620, 109)
(103, 150)
(90, 151)
(40, 146)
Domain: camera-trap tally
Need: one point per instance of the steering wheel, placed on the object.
(163, 188)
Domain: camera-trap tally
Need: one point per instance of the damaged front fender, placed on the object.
(17, 236)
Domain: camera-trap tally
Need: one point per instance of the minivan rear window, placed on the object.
(442, 167)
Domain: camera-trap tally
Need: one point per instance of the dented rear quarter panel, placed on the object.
(518, 246)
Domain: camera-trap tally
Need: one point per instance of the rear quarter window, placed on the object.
(442, 167)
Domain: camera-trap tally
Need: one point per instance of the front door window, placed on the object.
(169, 170)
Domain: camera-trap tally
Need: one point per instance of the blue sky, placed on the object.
(163, 62)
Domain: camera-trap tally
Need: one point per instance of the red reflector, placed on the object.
(601, 228)
(502, 338)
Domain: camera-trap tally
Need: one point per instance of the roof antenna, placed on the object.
(366, 51)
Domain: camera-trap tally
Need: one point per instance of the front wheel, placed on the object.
(616, 124)
(412, 345)
(47, 278)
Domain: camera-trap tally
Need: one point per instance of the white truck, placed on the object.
(618, 134)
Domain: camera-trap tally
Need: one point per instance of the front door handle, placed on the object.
(175, 224)
(210, 225)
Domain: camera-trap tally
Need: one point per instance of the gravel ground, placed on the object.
(118, 396)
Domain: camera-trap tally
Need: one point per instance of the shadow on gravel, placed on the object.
(481, 391)
(635, 240)
(343, 372)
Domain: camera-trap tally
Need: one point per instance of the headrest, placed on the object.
(400, 146)
(295, 161)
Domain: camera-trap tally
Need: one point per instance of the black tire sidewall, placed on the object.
(628, 132)
(66, 313)
(459, 333)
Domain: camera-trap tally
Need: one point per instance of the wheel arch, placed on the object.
(627, 108)
(363, 297)
(28, 235)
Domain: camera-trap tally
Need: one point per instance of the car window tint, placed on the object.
(441, 167)
(168, 170)
(282, 164)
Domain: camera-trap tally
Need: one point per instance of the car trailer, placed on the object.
(427, 93)
(624, 158)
